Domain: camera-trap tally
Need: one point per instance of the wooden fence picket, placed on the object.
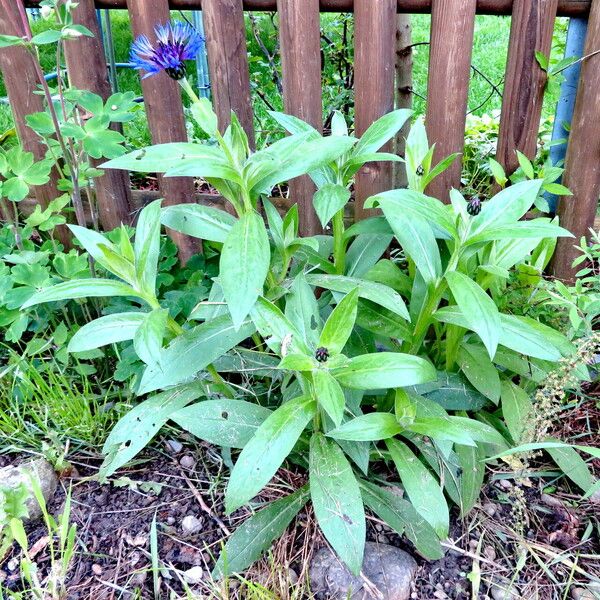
(452, 26)
(531, 29)
(374, 74)
(228, 62)
(582, 163)
(164, 111)
(300, 35)
(88, 71)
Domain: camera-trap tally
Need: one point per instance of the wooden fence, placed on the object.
(376, 28)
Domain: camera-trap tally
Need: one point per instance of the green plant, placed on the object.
(398, 362)
(61, 544)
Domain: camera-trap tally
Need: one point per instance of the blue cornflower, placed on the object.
(176, 43)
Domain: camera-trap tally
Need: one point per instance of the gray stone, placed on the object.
(580, 593)
(385, 568)
(191, 524)
(193, 575)
(41, 469)
(503, 589)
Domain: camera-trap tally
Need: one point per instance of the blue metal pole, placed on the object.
(202, 74)
(566, 102)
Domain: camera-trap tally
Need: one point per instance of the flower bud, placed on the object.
(474, 206)
(46, 12)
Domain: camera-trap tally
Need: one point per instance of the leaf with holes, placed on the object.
(337, 501)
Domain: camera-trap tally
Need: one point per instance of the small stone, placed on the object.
(173, 446)
(139, 578)
(579, 593)
(549, 500)
(187, 461)
(13, 563)
(389, 569)
(505, 484)
(191, 524)
(489, 509)
(193, 575)
(503, 589)
(489, 553)
(170, 520)
(96, 569)
(292, 576)
(42, 470)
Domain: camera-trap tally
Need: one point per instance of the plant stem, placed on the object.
(339, 245)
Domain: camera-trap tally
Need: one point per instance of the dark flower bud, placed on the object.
(322, 354)
(420, 171)
(474, 206)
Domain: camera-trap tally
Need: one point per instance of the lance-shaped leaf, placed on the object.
(329, 394)
(339, 325)
(516, 409)
(226, 422)
(337, 501)
(204, 222)
(384, 370)
(244, 265)
(255, 535)
(478, 309)
(147, 247)
(81, 288)
(421, 486)
(149, 337)
(328, 200)
(368, 428)
(110, 329)
(264, 453)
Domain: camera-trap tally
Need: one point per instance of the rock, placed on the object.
(387, 568)
(174, 446)
(503, 589)
(489, 509)
(42, 470)
(191, 524)
(292, 576)
(187, 461)
(193, 575)
(580, 593)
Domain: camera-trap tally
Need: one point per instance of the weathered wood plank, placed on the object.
(164, 110)
(452, 26)
(582, 167)
(566, 8)
(87, 71)
(300, 35)
(228, 62)
(531, 29)
(374, 60)
(404, 95)
(21, 80)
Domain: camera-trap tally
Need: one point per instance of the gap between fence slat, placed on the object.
(228, 62)
(531, 30)
(87, 71)
(164, 111)
(582, 164)
(300, 40)
(374, 71)
(452, 26)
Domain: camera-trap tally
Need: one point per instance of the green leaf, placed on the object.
(479, 370)
(471, 478)
(96, 245)
(204, 160)
(298, 362)
(50, 36)
(526, 165)
(110, 329)
(81, 288)
(10, 40)
(557, 189)
(516, 409)
(384, 370)
(422, 488)
(376, 292)
(337, 501)
(400, 515)
(478, 309)
(441, 428)
(302, 310)
(264, 453)
(203, 113)
(535, 229)
(573, 466)
(381, 131)
(339, 325)
(328, 200)
(193, 351)
(134, 431)
(329, 394)
(364, 252)
(244, 265)
(498, 172)
(368, 428)
(416, 237)
(204, 222)
(225, 422)
(255, 535)
(149, 337)
(147, 246)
